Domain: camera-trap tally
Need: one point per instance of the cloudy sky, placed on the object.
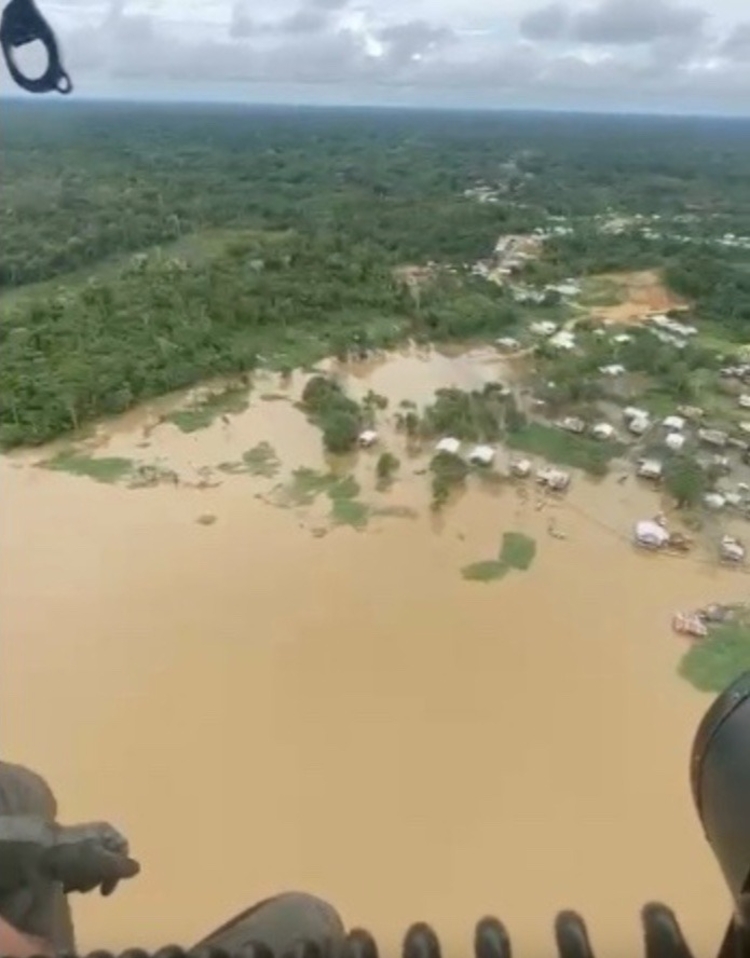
(613, 55)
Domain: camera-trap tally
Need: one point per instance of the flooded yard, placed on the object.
(261, 708)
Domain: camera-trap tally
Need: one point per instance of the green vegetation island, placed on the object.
(148, 249)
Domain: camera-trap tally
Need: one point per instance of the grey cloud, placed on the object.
(613, 22)
(636, 21)
(307, 20)
(546, 23)
(737, 45)
(314, 17)
(333, 57)
(134, 29)
(241, 24)
(512, 69)
(329, 4)
(308, 51)
(404, 41)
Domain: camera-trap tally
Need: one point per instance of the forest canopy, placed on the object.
(145, 248)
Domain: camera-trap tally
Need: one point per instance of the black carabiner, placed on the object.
(22, 23)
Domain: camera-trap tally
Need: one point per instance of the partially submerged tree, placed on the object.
(340, 431)
(515, 420)
(338, 416)
(448, 472)
(685, 481)
(386, 468)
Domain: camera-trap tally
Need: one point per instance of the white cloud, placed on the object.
(603, 54)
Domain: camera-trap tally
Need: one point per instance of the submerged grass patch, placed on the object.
(261, 460)
(489, 570)
(202, 413)
(146, 475)
(104, 469)
(711, 664)
(395, 512)
(517, 552)
(308, 484)
(565, 449)
(350, 512)
(346, 509)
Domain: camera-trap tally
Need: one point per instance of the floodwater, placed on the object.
(259, 708)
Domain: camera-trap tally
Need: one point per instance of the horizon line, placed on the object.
(188, 101)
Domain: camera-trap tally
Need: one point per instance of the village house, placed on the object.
(567, 288)
(482, 455)
(573, 424)
(669, 339)
(713, 437)
(721, 463)
(633, 412)
(735, 372)
(554, 479)
(639, 425)
(650, 534)
(521, 468)
(660, 320)
(563, 340)
(731, 550)
(674, 441)
(637, 420)
(448, 444)
(543, 327)
(603, 430)
(674, 423)
(523, 294)
(691, 412)
(649, 469)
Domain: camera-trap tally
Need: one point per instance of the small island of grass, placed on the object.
(105, 469)
(713, 663)
(517, 552)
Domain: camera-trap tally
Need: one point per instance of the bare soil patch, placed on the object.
(634, 297)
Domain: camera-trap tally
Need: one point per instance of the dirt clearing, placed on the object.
(629, 297)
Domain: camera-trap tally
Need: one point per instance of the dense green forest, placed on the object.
(271, 235)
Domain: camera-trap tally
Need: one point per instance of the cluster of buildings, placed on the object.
(556, 480)
(671, 331)
(577, 426)
(656, 227)
(511, 254)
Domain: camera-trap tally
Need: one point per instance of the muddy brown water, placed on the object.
(261, 709)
